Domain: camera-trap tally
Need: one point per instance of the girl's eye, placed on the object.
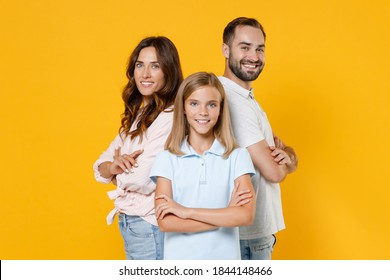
(155, 66)
(193, 103)
(213, 105)
(138, 65)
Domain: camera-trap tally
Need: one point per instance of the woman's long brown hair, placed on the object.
(168, 58)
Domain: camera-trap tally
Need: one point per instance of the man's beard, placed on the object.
(235, 67)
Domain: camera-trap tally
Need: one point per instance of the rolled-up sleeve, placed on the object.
(152, 143)
(107, 155)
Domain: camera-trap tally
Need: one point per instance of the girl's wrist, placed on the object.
(190, 213)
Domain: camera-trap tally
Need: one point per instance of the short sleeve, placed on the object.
(162, 166)
(246, 127)
(245, 123)
(243, 163)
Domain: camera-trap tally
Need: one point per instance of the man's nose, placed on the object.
(252, 55)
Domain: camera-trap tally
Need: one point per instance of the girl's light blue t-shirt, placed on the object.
(202, 181)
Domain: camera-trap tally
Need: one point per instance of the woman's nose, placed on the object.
(146, 73)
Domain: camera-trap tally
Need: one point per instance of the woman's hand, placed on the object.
(124, 163)
(240, 198)
(170, 207)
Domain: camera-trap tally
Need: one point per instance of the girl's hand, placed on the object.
(240, 198)
(170, 207)
(124, 163)
(280, 156)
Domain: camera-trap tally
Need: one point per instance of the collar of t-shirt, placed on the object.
(237, 88)
(216, 148)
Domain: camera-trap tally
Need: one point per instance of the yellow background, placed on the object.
(325, 89)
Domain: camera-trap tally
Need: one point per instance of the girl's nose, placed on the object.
(203, 111)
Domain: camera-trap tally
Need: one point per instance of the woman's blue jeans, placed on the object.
(143, 241)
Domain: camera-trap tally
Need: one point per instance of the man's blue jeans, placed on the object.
(143, 241)
(258, 249)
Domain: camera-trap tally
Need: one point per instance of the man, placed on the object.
(243, 49)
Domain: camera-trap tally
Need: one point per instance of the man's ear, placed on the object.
(225, 50)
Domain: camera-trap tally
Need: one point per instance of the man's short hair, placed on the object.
(228, 33)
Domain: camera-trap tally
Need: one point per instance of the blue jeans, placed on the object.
(143, 241)
(258, 249)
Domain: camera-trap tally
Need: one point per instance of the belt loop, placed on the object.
(124, 219)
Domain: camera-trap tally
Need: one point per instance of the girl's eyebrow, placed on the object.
(208, 101)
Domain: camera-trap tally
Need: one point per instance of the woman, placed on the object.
(204, 191)
(154, 74)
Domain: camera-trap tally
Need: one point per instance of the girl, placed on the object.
(197, 175)
(154, 75)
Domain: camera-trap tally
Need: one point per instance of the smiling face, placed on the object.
(148, 74)
(202, 110)
(245, 55)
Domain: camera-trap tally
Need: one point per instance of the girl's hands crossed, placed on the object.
(170, 207)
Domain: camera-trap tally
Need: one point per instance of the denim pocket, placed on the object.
(138, 227)
(264, 243)
(140, 239)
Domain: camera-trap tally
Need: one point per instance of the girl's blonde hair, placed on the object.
(180, 129)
